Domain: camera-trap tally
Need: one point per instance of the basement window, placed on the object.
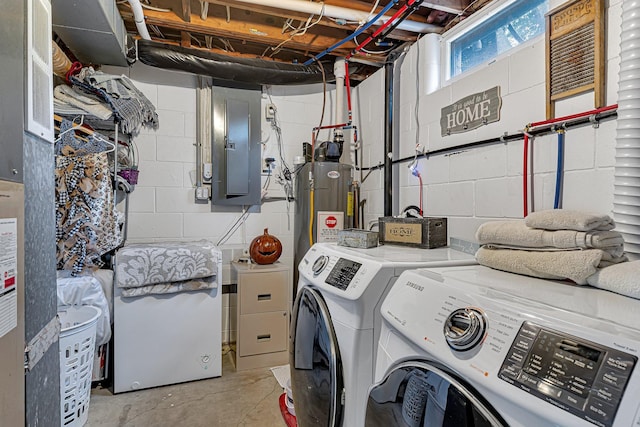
(489, 34)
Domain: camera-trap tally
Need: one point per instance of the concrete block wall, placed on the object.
(480, 184)
(162, 205)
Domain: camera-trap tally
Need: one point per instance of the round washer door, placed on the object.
(418, 394)
(316, 370)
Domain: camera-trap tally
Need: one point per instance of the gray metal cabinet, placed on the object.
(262, 314)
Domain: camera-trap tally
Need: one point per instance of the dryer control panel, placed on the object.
(581, 377)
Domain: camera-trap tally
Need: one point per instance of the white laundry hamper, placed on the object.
(77, 348)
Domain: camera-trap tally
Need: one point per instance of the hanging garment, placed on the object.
(86, 221)
(68, 144)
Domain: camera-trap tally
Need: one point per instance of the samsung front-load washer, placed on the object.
(333, 326)
(472, 346)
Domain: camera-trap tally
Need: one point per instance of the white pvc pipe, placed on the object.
(138, 16)
(337, 12)
(430, 45)
(340, 73)
(626, 195)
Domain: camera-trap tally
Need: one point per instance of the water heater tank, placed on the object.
(331, 189)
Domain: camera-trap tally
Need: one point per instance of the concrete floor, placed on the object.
(245, 398)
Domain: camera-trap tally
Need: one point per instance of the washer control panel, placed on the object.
(342, 273)
(581, 377)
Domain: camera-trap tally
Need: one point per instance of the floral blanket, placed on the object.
(167, 267)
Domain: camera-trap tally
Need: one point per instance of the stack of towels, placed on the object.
(561, 244)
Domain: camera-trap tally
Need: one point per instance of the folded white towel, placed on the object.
(515, 234)
(621, 278)
(565, 219)
(573, 265)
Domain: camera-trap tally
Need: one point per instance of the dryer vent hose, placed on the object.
(61, 63)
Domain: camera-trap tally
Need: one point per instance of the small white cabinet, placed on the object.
(262, 315)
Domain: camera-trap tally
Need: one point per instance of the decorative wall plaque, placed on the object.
(471, 112)
(575, 52)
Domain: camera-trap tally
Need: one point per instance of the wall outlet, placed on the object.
(207, 171)
(202, 194)
(270, 111)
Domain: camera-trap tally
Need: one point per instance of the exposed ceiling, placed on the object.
(291, 32)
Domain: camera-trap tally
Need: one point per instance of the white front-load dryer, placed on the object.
(472, 346)
(335, 325)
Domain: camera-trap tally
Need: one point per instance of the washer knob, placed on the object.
(465, 328)
(319, 264)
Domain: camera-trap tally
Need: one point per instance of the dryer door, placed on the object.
(316, 370)
(418, 394)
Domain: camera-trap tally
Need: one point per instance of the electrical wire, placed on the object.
(297, 31)
(268, 180)
(324, 100)
(285, 171)
(234, 227)
(416, 108)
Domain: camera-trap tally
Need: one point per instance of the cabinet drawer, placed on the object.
(262, 333)
(264, 292)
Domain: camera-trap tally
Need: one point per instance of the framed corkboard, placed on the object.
(575, 61)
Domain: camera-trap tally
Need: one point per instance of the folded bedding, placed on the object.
(165, 262)
(210, 282)
(566, 219)
(516, 234)
(575, 265)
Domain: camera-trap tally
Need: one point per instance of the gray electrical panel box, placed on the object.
(236, 146)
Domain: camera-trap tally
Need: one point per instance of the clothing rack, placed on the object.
(88, 130)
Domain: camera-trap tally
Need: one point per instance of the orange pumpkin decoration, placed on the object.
(265, 249)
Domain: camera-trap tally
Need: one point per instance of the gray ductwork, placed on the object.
(92, 29)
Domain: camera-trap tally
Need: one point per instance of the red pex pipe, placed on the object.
(575, 116)
(525, 155)
(341, 125)
(348, 84)
(525, 171)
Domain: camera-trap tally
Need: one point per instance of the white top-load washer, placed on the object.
(333, 328)
(475, 346)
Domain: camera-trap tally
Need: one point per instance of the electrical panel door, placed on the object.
(236, 148)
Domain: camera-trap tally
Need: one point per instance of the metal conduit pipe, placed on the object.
(313, 8)
(138, 16)
(626, 195)
(388, 134)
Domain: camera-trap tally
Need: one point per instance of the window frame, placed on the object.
(470, 24)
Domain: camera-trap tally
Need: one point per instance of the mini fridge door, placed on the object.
(12, 392)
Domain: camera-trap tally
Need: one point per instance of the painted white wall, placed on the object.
(161, 206)
(480, 184)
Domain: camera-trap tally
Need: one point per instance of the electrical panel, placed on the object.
(236, 149)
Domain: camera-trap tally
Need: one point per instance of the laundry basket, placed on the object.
(77, 347)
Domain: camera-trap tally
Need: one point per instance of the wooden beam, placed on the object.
(239, 30)
(185, 39)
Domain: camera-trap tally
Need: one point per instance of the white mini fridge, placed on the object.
(166, 339)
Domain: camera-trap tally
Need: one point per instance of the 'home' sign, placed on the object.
(471, 112)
